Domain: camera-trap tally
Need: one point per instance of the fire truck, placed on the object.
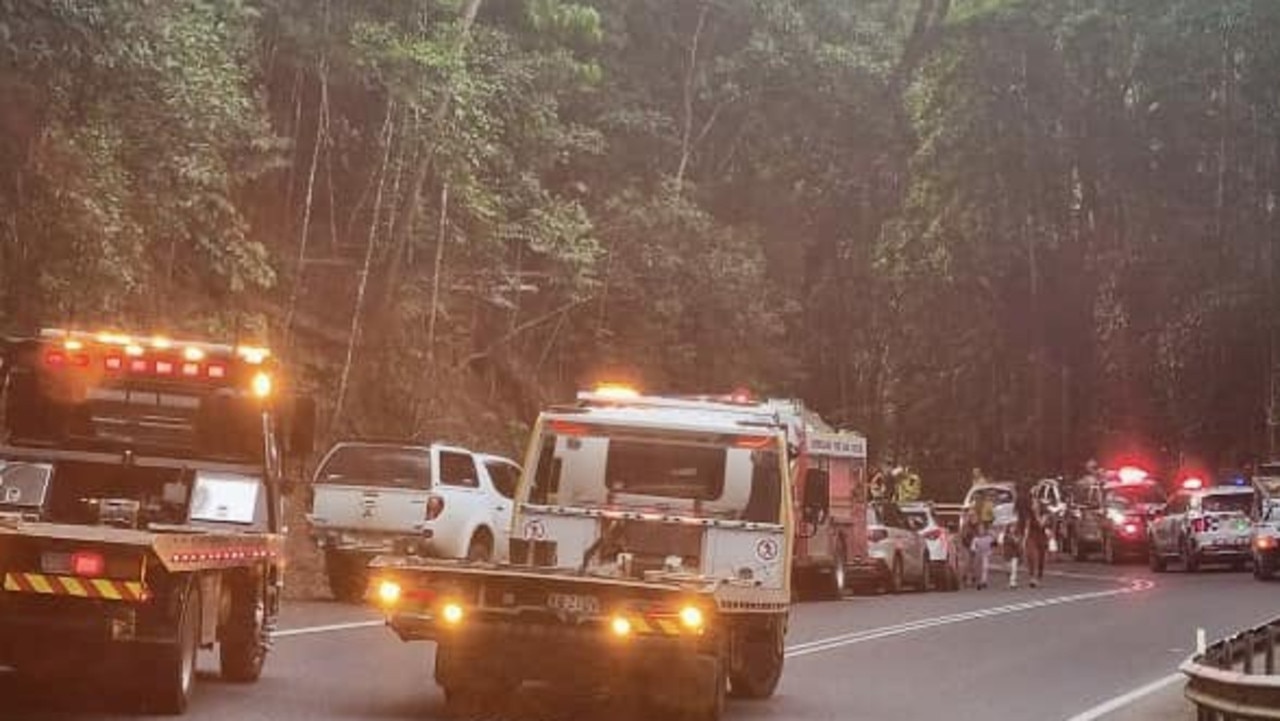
(650, 555)
(141, 485)
(829, 479)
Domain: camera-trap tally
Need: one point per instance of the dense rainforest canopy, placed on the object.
(1013, 233)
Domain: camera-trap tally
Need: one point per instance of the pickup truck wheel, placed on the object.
(242, 649)
(761, 659)
(170, 670)
(348, 577)
(481, 547)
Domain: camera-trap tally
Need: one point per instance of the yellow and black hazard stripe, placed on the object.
(657, 625)
(99, 588)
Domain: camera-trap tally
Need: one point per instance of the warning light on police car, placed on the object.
(1132, 474)
(1193, 483)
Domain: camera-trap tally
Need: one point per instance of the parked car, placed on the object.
(1204, 524)
(1050, 495)
(898, 556)
(1000, 494)
(1111, 515)
(944, 568)
(438, 500)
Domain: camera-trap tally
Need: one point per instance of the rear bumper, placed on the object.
(1207, 549)
(374, 544)
(563, 653)
(867, 569)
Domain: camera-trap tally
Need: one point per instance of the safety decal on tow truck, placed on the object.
(101, 588)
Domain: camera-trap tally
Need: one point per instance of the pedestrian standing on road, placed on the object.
(1011, 550)
(1035, 540)
(980, 552)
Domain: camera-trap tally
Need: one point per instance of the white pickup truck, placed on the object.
(438, 500)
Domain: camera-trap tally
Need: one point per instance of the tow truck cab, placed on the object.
(140, 507)
(650, 553)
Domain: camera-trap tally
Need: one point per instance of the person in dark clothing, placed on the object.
(1035, 540)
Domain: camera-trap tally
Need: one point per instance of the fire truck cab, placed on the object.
(141, 507)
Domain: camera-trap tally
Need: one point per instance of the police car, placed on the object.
(1203, 524)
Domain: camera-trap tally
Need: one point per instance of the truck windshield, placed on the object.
(385, 466)
(698, 476)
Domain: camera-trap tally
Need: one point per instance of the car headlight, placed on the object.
(691, 617)
(389, 592)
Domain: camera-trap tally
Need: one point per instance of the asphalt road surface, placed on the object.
(1091, 634)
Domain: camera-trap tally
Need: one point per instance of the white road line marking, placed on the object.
(834, 642)
(1125, 699)
(308, 630)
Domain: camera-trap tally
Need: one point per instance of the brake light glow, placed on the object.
(1130, 528)
(164, 368)
(113, 363)
(55, 358)
(88, 563)
(191, 370)
(754, 442)
(1193, 483)
(1199, 525)
(139, 365)
(1265, 542)
(217, 370)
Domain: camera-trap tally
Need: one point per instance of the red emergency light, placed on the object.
(1193, 483)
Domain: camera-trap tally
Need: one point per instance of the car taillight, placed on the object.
(1199, 525)
(1130, 528)
(435, 506)
(877, 534)
(88, 563)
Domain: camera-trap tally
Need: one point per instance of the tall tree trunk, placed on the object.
(358, 309)
(690, 78)
(436, 271)
(411, 208)
(321, 139)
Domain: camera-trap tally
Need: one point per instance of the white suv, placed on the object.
(441, 501)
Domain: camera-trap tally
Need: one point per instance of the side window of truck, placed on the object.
(505, 477)
(458, 469)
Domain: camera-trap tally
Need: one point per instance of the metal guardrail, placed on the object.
(1235, 679)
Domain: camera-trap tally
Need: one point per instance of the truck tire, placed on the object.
(170, 670)
(469, 687)
(708, 703)
(242, 646)
(760, 661)
(348, 577)
(836, 583)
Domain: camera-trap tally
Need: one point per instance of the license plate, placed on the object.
(573, 603)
